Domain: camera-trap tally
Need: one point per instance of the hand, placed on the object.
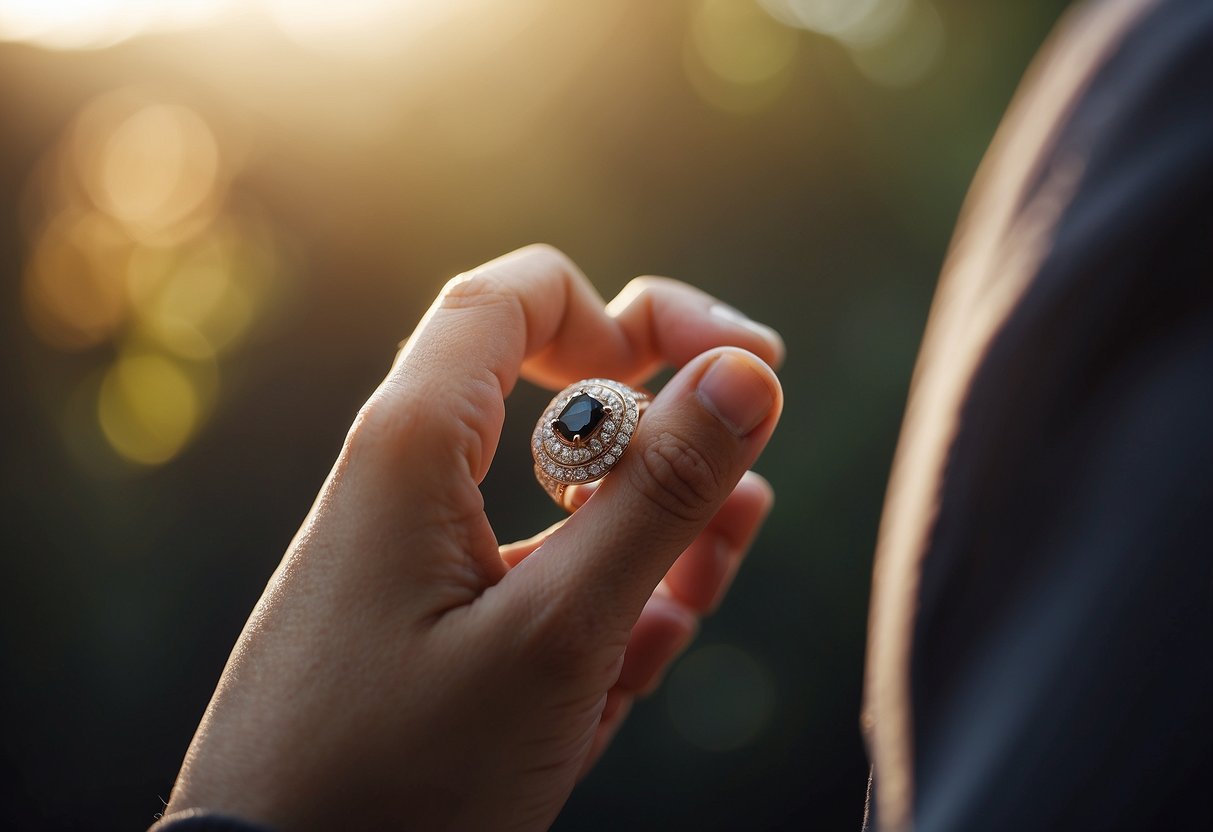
(402, 669)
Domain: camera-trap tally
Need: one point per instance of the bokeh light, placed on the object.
(739, 54)
(894, 43)
(912, 49)
(148, 407)
(720, 698)
(71, 295)
(851, 21)
(155, 168)
(198, 300)
(737, 57)
(138, 250)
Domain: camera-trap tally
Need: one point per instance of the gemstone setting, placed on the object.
(579, 418)
(583, 433)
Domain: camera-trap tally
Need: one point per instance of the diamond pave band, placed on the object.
(583, 433)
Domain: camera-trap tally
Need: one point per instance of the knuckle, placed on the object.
(679, 479)
(642, 286)
(498, 281)
(548, 252)
(376, 424)
(647, 283)
(642, 291)
(651, 284)
(467, 415)
(419, 419)
(386, 425)
(638, 285)
(482, 287)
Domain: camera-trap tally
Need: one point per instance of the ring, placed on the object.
(582, 435)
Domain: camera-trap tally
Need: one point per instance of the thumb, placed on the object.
(694, 443)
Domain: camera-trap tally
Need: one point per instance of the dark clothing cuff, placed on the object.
(195, 820)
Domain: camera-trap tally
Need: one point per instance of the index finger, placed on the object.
(533, 312)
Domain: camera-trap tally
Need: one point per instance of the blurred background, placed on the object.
(219, 217)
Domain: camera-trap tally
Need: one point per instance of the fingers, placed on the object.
(663, 322)
(668, 623)
(662, 632)
(694, 444)
(702, 574)
(533, 311)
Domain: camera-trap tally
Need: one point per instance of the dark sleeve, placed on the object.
(195, 821)
(1062, 655)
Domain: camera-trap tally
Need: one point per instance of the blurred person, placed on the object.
(1039, 647)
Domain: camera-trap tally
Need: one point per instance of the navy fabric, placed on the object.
(1061, 668)
(196, 821)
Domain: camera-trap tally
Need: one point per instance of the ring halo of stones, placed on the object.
(600, 451)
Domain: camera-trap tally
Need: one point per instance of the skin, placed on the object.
(403, 670)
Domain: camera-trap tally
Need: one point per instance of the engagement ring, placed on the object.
(582, 435)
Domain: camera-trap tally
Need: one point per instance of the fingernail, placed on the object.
(736, 392)
(728, 313)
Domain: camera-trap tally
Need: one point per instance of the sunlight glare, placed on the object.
(93, 24)
(350, 25)
(324, 24)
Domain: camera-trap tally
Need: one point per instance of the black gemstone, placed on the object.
(580, 417)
